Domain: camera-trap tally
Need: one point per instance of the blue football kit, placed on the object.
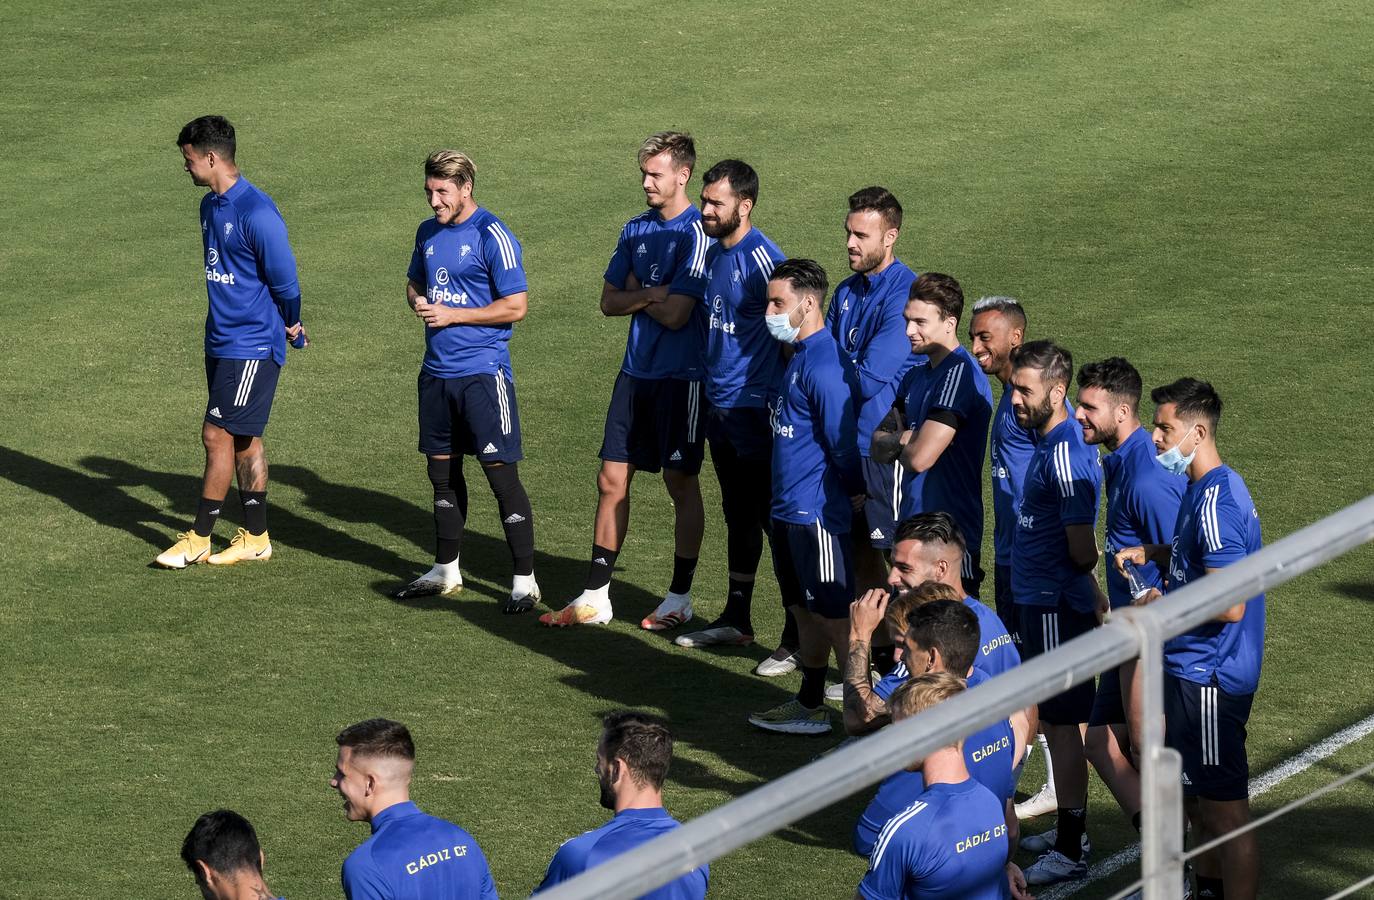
(816, 470)
(865, 318)
(466, 384)
(996, 651)
(629, 829)
(1011, 449)
(950, 843)
(956, 393)
(1211, 673)
(411, 856)
(250, 279)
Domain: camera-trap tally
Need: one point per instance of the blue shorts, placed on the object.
(742, 432)
(1108, 708)
(883, 485)
(474, 415)
(1206, 726)
(815, 568)
(656, 423)
(1044, 628)
(241, 392)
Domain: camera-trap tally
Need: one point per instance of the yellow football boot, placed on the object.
(243, 546)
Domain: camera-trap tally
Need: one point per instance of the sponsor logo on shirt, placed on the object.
(852, 339)
(719, 321)
(1026, 522)
(212, 257)
(441, 275)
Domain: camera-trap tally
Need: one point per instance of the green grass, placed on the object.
(1184, 183)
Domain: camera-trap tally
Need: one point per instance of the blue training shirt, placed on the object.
(816, 467)
(1217, 525)
(629, 829)
(951, 842)
(865, 318)
(744, 363)
(1011, 451)
(996, 652)
(671, 252)
(954, 484)
(468, 264)
(1142, 508)
(250, 275)
(1061, 488)
(414, 856)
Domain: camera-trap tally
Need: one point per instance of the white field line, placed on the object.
(1258, 785)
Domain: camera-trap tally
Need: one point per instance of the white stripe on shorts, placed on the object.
(250, 369)
(503, 401)
(693, 407)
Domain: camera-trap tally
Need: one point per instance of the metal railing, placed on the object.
(1132, 632)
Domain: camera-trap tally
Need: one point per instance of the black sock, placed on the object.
(683, 570)
(1135, 822)
(737, 604)
(254, 511)
(1071, 825)
(1210, 888)
(450, 507)
(790, 639)
(883, 658)
(603, 563)
(207, 514)
(517, 518)
(812, 693)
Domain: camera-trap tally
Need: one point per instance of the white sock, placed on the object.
(446, 571)
(599, 596)
(1049, 762)
(522, 585)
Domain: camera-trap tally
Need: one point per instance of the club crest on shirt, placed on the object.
(228, 227)
(672, 245)
(464, 251)
(734, 276)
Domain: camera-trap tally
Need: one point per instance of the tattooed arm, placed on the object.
(864, 711)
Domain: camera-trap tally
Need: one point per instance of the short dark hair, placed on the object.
(1007, 306)
(948, 626)
(209, 133)
(642, 740)
(936, 527)
(878, 200)
(1054, 362)
(1114, 375)
(1192, 399)
(744, 181)
(941, 291)
(805, 275)
(378, 738)
(223, 840)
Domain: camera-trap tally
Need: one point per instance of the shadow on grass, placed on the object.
(1356, 590)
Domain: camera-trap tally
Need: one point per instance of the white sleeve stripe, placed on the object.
(698, 264)
(1211, 529)
(885, 836)
(951, 389)
(764, 261)
(503, 241)
(1063, 471)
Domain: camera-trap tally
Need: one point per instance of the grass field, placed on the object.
(1187, 184)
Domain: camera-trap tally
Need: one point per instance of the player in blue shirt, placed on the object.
(952, 841)
(1142, 505)
(632, 760)
(865, 318)
(410, 855)
(656, 413)
(466, 281)
(744, 367)
(1052, 581)
(937, 633)
(1212, 672)
(817, 488)
(938, 427)
(223, 854)
(928, 549)
(255, 306)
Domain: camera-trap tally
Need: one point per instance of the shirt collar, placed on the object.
(653, 812)
(238, 187)
(396, 811)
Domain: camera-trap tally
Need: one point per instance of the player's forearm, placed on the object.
(290, 309)
(624, 303)
(1082, 547)
(503, 311)
(1159, 554)
(885, 446)
(414, 294)
(673, 313)
(864, 711)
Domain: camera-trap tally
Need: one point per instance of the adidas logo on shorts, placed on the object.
(676, 457)
(513, 519)
(489, 448)
(809, 597)
(214, 411)
(877, 534)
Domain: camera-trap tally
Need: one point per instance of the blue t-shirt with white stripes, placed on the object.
(468, 264)
(954, 484)
(744, 362)
(250, 275)
(1217, 525)
(1061, 488)
(658, 252)
(629, 829)
(1142, 508)
(950, 842)
(414, 856)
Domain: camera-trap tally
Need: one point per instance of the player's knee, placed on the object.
(613, 483)
(1096, 748)
(440, 472)
(681, 486)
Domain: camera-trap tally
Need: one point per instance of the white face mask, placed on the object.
(780, 326)
(1173, 460)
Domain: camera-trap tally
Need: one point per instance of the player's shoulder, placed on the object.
(911, 825)
(763, 254)
(641, 224)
